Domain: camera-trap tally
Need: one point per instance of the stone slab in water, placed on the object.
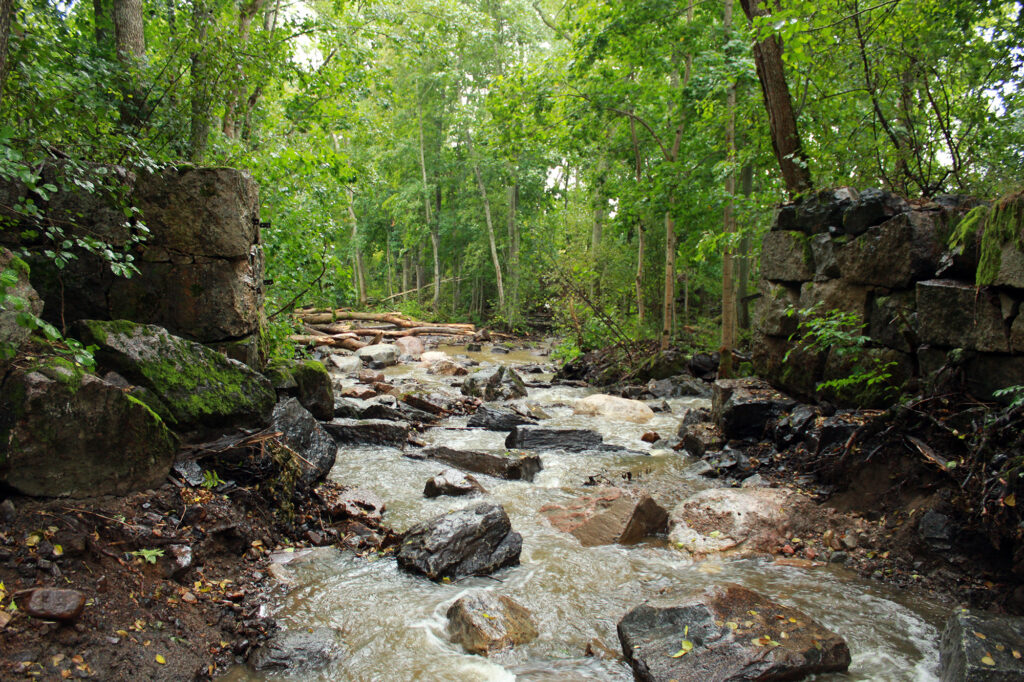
(477, 540)
(609, 516)
(368, 431)
(499, 383)
(727, 632)
(384, 353)
(510, 467)
(979, 647)
(298, 650)
(453, 483)
(550, 438)
(494, 418)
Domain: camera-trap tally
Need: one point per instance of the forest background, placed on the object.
(605, 165)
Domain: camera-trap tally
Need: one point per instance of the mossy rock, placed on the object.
(199, 387)
(315, 390)
(67, 433)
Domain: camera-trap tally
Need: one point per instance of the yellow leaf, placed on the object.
(687, 647)
(1016, 654)
(980, 635)
(732, 625)
(160, 659)
(1010, 500)
(1000, 647)
(122, 633)
(792, 620)
(988, 660)
(58, 550)
(752, 612)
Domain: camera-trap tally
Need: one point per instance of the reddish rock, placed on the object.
(360, 392)
(650, 437)
(50, 603)
(369, 376)
(608, 516)
(352, 503)
(410, 345)
(453, 483)
(384, 388)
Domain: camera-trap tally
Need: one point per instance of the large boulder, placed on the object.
(958, 315)
(21, 298)
(64, 432)
(494, 418)
(981, 646)
(727, 632)
(742, 408)
(749, 520)
(552, 438)
(773, 310)
(609, 516)
(477, 540)
(484, 623)
(368, 432)
(410, 345)
(786, 256)
(893, 254)
(380, 354)
(453, 483)
(613, 407)
(872, 207)
(301, 432)
(499, 383)
(307, 380)
(198, 387)
(508, 466)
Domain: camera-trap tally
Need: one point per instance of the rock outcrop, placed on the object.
(608, 516)
(751, 520)
(499, 383)
(981, 646)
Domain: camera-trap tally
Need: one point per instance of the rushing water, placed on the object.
(393, 622)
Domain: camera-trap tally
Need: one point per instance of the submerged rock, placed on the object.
(453, 483)
(298, 650)
(484, 623)
(477, 540)
(727, 632)
(494, 418)
(608, 516)
(368, 431)
(197, 386)
(981, 646)
(507, 466)
(550, 438)
(614, 407)
(64, 432)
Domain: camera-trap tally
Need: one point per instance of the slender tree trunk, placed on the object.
(419, 273)
(729, 222)
(435, 231)
(779, 105)
(406, 274)
(357, 255)
(668, 310)
(234, 107)
(490, 230)
(387, 253)
(743, 272)
(513, 253)
(640, 255)
(101, 25)
(199, 128)
(6, 10)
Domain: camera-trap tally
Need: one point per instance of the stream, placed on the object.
(393, 622)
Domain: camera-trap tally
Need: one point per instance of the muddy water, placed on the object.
(393, 622)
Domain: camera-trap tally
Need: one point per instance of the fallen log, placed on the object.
(395, 333)
(319, 316)
(336, 341)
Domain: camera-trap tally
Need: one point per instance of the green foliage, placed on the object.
(868, 379)
(1015, 394)
(148, 555)
(211, 479)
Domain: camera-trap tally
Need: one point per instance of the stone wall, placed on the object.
(201, 267)
(874, 254)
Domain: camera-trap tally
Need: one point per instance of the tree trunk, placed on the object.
(199, 127)
(435, 232)
(638, 170)
(130, 47)
(235, 105)
(513, 253)
(406, 274)
(6, 10)
(490, 231)
(357, 255)
(668, 309)
(743, 272)
(779, 105)
(729, 222)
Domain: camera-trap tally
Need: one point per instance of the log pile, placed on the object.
(354, 330)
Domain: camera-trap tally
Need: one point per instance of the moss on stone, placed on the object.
(61, 370)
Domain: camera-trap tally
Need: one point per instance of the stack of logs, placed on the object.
(336, 328)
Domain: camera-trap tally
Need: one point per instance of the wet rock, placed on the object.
(499, 383)
(368, 431)
(447, 368)
(307, 380)
(359, 392)
(830, 432)
(396, 414)
(609, 516)
(452, 483)
(653, 633)
(551, 438)
(176, 561)
(873, 207)
(704, 365)
(698, 439)
(350, 408)
(936, 529)
(484, 623)
(650, 437)
(369, 376)
(601, 651)
(305, 435)
(410, 345)
(49, 603)
(977, 645)
(894, 254)
(680, 386)
(793, 428)
(957, 315)
(494, 418)
(351, 503)
(772, 309)
(477, 540)
(349, 364)
(507, 466)
(751, 520)
(429, 404)
(298, 650)
(613, 407)
(500, 350)
(11, 332)
(787, 257)
(384, 354)
(432, 356)
(50, 445)
(199, 387)
(743, 407)
(474, 347)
